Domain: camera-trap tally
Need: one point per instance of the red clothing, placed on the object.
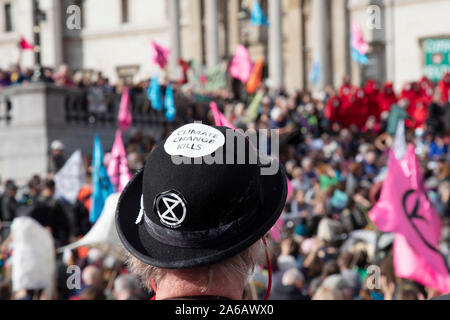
(420, 114)
(411, 93)
(426, 90)
(332, 107)
(84, 196)
(386, 98)
(359, 108)
(444, 87)
(371, 91)
(185, 65)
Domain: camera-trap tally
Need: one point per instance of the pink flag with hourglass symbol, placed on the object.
(404, 208)
(118, 170)
(160, 54)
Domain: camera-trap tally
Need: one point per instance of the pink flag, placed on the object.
(241, 65)
(219, 118)
(25, 45)
(410, 265)
(118, 170)
(357, 39)
(405, 209)
(160, 54)
(125, 119)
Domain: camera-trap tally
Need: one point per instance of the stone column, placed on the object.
(212, 32)
(321, 27)
(233, 25)
(51, 33)
(175, 38)
(275, 45)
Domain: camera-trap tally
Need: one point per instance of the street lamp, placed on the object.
(38, 17)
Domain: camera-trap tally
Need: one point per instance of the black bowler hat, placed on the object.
(180, 215)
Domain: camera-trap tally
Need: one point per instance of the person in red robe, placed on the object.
(419, 115)
(332, 109)
(444, 87)
(386, 98)
(359, 108)
(371, 91)
(346, 88)
(426, 90)
(411, 93)
(345, 93)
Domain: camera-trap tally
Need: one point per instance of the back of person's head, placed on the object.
(92, 293)
(125, 286)
(236, 268)
(324, 293)
(345, 260)
(408, 291)
(92, 276)
(48, 187)
(338, 282)
(329, 268)
(293, 277)
(5, 290)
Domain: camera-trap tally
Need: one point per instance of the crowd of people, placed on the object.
(334, 150)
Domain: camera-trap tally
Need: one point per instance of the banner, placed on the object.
(217, 78)
(124, 118)
(101, 184)
(70, 178)
(118, 170)
(437, 58)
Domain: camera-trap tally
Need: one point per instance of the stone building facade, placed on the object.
(115, 36)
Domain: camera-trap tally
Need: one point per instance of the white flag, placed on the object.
(399, 144)
(70, 178)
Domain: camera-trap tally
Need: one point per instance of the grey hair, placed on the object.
(291, 276)
(241, 264)
(126, 282)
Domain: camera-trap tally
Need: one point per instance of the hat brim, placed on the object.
(149, 250)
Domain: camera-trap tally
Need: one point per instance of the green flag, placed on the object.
(253, 108)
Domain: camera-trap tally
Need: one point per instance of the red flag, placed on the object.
(25, 45)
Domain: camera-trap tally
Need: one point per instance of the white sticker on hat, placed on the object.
(194, 140)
